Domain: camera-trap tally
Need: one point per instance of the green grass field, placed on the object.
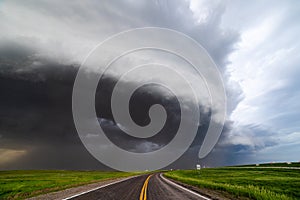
(293, 164)
(24, 184)
(268, 183)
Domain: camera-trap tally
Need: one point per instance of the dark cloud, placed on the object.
(38, 69)
(36, 116)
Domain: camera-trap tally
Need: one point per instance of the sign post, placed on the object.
(198, 167)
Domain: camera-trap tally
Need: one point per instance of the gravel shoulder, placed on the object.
(75, 190)
(212, 194)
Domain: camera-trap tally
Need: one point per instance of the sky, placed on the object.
(42, 44)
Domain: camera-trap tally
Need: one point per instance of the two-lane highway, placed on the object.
(151, 187)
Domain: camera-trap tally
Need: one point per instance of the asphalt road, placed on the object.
(151, 187)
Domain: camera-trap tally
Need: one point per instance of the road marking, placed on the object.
(103, 186)
(183, 188)
(143, 195)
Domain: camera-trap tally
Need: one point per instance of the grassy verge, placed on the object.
(24, 184)
(253, 183)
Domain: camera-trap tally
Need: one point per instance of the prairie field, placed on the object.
(28, 183)
(249, 183)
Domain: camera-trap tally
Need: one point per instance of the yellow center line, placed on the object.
(143, 195)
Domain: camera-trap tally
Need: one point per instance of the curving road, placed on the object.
(151, 187)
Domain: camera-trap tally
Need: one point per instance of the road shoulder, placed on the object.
(212, 194)
(75, 190)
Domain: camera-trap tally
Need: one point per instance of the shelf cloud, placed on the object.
(43, 43)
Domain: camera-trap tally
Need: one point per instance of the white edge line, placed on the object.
(91, 190)
(183, 188)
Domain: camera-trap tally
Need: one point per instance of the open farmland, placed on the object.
(24, 184)
(241, 183)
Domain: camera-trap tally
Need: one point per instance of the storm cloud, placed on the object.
(43, 43)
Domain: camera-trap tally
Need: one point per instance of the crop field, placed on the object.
(24, 184)
(244, 183)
